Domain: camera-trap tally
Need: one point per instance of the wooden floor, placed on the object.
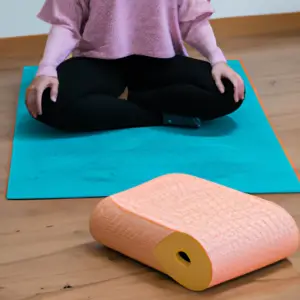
(46, 251)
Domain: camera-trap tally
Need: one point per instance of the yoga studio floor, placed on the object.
(46, 251)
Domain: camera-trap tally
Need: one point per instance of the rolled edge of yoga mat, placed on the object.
(199, 233)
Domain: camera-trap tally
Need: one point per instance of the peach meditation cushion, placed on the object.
(199, 233)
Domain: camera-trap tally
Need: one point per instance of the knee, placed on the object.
(51, 114)
(229, 99)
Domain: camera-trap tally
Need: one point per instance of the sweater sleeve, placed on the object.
(60, 44)
(67, 19)
(196, 30)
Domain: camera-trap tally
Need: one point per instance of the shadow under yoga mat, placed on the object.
(240, 151)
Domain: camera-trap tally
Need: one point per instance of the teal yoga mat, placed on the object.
(240, 151)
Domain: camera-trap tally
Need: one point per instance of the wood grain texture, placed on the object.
(46, 251)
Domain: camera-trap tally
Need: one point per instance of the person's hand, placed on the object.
(35, 92)
(221, 71)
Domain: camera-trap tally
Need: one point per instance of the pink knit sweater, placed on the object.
(111, 29)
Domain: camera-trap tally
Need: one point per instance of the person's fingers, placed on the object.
(236, 90)
(31, 102)
(219, 83)
(236, 93)
(232, 77)
(54, 91)
(241, 89)
(39, 95)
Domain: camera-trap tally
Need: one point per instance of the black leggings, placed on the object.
(89, 91)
